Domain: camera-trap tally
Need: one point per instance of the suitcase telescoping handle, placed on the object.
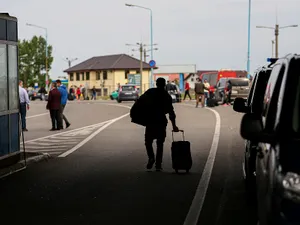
(183, 137)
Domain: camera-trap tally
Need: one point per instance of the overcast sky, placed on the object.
(209, 33)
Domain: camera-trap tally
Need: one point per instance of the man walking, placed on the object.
(54, 106)
(94, 93)
(64, 97)
(157, 103)
(199, 90)
(206, 91)
(24, 104)
(187, 91)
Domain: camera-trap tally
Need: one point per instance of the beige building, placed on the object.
(106, 72)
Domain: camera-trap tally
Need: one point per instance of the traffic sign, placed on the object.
(152, 63)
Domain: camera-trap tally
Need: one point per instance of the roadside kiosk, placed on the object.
(9, 88)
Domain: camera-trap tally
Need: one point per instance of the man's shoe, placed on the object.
(53, 129)
(25, 129)
(150, 163)
(158, 168)
(67, 125)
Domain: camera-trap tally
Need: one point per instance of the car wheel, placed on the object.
(119, 101)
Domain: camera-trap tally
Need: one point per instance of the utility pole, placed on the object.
(145, 55)
(273, 42)
(276, 29)
(141, 68)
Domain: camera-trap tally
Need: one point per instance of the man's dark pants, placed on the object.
(55, 118)
(63, 118)
(23, 112)
(158, 133)
(187, 93)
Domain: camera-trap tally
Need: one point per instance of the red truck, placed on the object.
(213, 77)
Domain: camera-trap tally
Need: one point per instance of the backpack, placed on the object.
(138, 112)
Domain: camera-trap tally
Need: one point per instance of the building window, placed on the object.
(12, 31)
(77, 77)
(192, 79)
(71, 77)
(87, 75)
(2, 29)
(3, 78)
(97, 75)
(83, 76)
(126, 74)
(13, 77)
(104, 75)
(137, 72)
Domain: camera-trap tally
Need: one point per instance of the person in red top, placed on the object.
(187, 91)
(78, 93)
(53, 105)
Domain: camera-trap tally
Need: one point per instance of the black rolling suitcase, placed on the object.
(181, 154)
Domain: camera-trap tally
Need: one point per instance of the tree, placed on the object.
(32, 61)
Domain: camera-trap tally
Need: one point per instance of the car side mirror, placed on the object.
(240, 105)
(252, 129)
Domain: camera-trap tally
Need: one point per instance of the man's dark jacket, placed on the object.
(54, 100)
(151, 108)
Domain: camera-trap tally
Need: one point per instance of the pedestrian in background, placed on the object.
(78, 93)
(206, 90)
(94, 93)
(228, 93)
(53, 105)
(24, 104)
(187, 91)
(64, 98)
(199, 92)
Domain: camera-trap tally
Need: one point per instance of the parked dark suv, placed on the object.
(253, 104)
(277, 130)
(240, 88)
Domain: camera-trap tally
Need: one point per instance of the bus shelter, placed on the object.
(9, 90)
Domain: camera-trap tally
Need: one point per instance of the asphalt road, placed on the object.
(97, 174)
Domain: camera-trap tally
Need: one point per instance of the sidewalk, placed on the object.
(19, 161)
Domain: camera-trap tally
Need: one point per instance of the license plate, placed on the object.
(234, 92)
(127, 93)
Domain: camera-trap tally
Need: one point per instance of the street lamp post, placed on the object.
(276, 29)
(44, 28)
(151, 34)
(70, 61)
(249, 39)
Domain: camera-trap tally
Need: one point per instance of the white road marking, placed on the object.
(38, 115)
(67, 132)
(91, 136)
(198, 201)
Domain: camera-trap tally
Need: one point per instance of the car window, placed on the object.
(259, 91)
(222, 82)
(249, 99)
(239, 82)
(271, 96)
(127, 88)
(213, 78)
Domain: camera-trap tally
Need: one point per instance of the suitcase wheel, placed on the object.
(187, 171)
(176, 171)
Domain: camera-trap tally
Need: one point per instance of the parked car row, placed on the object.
(129, 92)
(271, 128)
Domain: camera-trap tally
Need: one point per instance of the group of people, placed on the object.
(57, 100)
(201, 92)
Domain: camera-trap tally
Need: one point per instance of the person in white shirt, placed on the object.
(24, 104)
(206, 91)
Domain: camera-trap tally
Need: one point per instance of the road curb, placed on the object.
(21, 165)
